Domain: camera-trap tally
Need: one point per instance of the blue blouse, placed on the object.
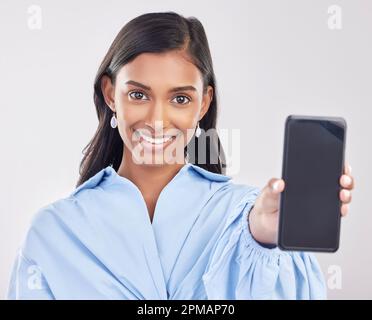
(99, 243)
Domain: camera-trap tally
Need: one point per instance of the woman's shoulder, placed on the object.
(206, 174)
(225, 187)
(70, 207)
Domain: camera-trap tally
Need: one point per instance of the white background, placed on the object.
(271, 59)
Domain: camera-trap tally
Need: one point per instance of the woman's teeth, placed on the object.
(155, 140)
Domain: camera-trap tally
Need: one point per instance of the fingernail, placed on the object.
(349, 168)
(347, 180)
(276, 185)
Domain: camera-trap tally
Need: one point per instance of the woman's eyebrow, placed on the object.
(183, 88)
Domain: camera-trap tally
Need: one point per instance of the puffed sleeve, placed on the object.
(27, 281)
(241, 268)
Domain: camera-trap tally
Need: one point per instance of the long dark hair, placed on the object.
(154, 33)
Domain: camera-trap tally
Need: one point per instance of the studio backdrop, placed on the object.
(271, 59)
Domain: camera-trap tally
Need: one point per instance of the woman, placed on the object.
(164, 226)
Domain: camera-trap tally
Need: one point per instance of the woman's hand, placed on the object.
(264, 217)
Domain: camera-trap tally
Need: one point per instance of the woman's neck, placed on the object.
(150, 179)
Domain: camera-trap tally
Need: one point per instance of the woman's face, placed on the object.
(158, 99)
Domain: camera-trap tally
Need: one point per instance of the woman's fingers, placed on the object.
(344, 209)
(347, 182)
(347, 168)
(277, 185)
(345, 196)
(270, 195)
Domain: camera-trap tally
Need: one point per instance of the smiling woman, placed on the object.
(174, 229)
(157, 79)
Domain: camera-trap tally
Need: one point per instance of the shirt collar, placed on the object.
(109, 173)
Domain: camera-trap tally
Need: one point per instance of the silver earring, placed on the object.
(197, 131)
(113, 122)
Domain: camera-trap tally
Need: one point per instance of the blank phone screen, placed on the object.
(312, 166)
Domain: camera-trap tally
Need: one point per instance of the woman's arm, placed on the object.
(27, 281)
(241, 268)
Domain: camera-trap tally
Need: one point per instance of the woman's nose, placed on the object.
(157, 116)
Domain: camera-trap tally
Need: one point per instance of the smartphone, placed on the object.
(313, 162)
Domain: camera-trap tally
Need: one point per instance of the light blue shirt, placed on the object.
(99, 243)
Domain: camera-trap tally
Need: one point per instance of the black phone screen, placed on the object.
(313, 160)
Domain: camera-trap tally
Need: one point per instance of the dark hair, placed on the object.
(154, 33)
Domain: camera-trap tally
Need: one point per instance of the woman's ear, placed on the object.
(108, 91)
(207, 99)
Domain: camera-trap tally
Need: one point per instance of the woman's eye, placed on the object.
(182, 99)
(137, 95)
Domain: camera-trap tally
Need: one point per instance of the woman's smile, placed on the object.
(152, 143)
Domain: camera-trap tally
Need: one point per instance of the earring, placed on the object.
(113, 122)
(197, 131)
